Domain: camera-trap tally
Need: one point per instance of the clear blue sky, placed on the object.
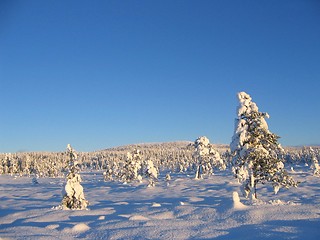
(98, 74)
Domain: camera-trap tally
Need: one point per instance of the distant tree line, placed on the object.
(167, 157)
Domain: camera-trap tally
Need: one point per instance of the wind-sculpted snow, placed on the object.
(183, 209)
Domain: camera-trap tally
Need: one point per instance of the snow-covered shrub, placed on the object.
(207, 157)
(255, 150)
(74, 196)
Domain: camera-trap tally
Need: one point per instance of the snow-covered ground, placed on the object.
(185, 209)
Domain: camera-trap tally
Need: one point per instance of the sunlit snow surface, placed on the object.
(186, 209)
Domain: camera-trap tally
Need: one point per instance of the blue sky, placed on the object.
(98, 74)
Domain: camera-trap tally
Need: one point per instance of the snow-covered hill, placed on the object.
(184, 209)
(162, 145)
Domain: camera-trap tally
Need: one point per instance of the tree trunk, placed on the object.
(198, 172)
(255, 189)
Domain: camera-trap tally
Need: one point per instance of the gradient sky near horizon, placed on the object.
(98, 74)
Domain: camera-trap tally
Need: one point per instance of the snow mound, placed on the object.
(138, 218)
(156, 205)
(59, 207)
(163, 216)
(196, 199)
(51, 227)
(124, 215)
(121, 203)
(236, 202)
(80, 227)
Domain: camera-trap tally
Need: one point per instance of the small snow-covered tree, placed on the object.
(74, 196)
(1, 169)
(314, 162)
(12, 164)
(151, 173)
(108, 173)
(207, 157)
(168, 178)
(132, 166)
(315, 166)
(255, 150)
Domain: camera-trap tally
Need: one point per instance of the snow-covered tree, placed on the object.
(74, 196)
(257, 155)
(315, 166)
(132, 166)
(168, 178)
(207, 157)
(109, 171)
(314, 162)
(26, 168)
(12, 164)
(151, 173)
(107, 175)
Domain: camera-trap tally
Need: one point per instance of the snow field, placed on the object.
(186, 209)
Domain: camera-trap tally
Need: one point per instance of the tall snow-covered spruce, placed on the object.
(256, 154)
(74, 197)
